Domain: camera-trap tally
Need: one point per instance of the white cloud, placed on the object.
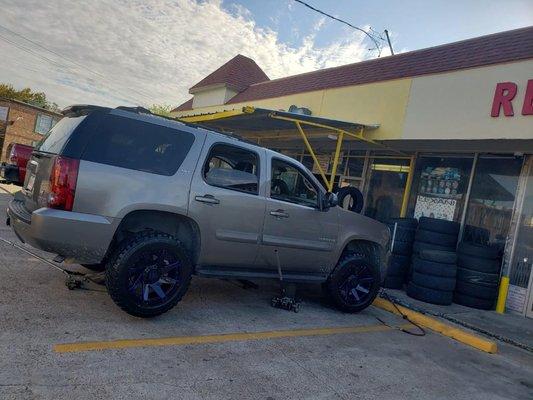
(139, 52)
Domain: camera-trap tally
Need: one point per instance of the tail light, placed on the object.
(63, 180)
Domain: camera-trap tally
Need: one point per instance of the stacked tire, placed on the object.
(436, 234)
(478, 275)
(403, 234)
(433, 276)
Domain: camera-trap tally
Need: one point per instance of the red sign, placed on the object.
(503, 99)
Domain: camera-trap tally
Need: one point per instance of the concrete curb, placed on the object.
(460, 335)
(450, 318)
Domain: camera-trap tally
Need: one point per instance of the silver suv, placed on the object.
(153, 201)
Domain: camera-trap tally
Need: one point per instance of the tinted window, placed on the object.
(56, 137)
(290, 184)
(133, 144)
(232, 168)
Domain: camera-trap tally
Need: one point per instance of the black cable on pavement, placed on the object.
(422, 330)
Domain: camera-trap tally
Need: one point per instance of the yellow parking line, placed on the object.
(219, 338)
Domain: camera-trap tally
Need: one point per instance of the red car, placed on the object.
(15, 170)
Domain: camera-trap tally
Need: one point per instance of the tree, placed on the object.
(27, 95)
(161, 109)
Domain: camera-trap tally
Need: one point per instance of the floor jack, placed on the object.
(287, 298)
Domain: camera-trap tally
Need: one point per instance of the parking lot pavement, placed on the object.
(37, 312)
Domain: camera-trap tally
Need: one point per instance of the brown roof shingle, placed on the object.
(485, 50)
(184, 106)
(238, 73)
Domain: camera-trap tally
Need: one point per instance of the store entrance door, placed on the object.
(520, 296)
(524, 241)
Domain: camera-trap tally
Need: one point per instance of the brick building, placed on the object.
(23, 123)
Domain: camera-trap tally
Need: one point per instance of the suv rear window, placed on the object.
(133, 144)
(55, 139)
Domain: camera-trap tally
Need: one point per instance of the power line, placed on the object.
(374, 40)
(31, 51)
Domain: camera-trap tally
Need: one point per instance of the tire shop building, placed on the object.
(445, 132)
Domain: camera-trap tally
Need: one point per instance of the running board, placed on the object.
(237, 273)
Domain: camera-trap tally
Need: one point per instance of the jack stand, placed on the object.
(287, 298)
(73, 282)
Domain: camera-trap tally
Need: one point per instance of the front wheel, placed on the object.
(354, 283)
(148, 274)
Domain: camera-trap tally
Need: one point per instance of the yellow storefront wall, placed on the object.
(382, 103)
(450, 105)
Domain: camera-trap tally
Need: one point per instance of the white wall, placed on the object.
(457, 105)
(212, 97)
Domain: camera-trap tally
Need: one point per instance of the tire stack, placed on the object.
(401, 249)
(433, 269)
(436, 234)
(433, 278)
(478, 275)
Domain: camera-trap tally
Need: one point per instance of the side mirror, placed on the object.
(329, 200)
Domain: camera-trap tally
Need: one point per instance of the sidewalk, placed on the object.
(6, 188)
(509, 328)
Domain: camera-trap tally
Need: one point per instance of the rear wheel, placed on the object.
(148, 274)
(94, 267)
(354, 283)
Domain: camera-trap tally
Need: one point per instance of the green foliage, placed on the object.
(27, 95)
(161, 109)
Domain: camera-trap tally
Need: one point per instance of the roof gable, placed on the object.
(238, 73)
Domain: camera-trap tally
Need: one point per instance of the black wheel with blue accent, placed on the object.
(148, 274)
(354, 283)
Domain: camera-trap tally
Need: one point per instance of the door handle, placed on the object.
(207, 198)
(279, 214)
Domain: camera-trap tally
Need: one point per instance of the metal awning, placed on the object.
(252, 119)
(261, 123)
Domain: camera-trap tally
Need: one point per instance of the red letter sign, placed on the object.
(503, 95)
(527, 108)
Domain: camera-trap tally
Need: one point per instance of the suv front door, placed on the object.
(303, 235)
(226, 204)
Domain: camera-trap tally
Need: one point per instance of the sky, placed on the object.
(144, 52)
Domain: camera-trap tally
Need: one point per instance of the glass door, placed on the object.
(521, 276)
(439, 186)
(386, 187)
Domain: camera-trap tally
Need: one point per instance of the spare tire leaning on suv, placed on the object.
(478, 275)
(350, 198)
(434, 277)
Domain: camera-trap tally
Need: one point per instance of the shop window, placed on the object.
(388, 178)
(492, 198)
(44, 123)
(307, 160)
(3, 113)
(439, 187)
(355, 166)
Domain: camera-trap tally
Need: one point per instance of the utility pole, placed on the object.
(388, 40)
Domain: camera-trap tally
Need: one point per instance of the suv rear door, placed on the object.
(226, 202)
(303, 235)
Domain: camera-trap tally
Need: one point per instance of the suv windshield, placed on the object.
(55, 139)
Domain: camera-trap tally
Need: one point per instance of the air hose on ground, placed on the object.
(74, 279)
(422, 332)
